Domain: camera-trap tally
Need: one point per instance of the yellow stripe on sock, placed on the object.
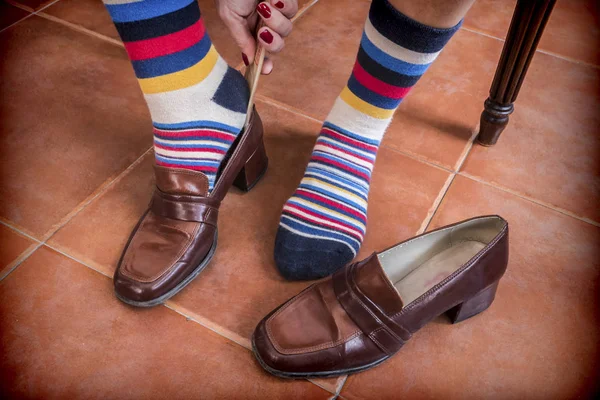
(334, 189)
(328, 211)
(364, 107)
(181, 79)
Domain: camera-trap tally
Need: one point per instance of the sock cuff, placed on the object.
(405, 31)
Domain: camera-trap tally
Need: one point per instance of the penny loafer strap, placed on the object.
(382, 330)
(185, 207)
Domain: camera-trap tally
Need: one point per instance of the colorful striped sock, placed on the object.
(197, 102)
(323, 224)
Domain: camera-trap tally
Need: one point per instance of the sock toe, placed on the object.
(303, 258)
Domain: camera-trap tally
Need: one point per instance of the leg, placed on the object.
(436, 13)
(196, 101)
(198, 108)
(324, 222)
(526, 28)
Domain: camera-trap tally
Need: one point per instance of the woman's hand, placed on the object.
(241, 17)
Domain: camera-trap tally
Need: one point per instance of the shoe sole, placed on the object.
(179, 287)
(311, 375)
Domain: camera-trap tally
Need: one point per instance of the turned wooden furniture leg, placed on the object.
(526, 28)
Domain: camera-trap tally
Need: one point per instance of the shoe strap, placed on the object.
(388, 335)
(185, 207)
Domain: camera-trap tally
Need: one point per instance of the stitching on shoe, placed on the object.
(175, 259)
(381, 346)
(322, 346)
(482, 253)
(381, 323)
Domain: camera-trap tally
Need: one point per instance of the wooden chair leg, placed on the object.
(526, 28)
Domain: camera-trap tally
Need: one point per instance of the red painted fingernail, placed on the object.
(279, 4)
(245, 58)
(266, 36)
(264, 10)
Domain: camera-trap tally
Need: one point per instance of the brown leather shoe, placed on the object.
(177, 236)
(364, 313)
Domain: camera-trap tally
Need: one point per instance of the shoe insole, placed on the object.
(436, 269)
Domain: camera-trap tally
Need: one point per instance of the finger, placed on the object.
(274, 19)
(267, 66)
(289, 8)
(241, 33)
(270, 40)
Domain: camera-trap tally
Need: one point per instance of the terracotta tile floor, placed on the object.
(75, 175)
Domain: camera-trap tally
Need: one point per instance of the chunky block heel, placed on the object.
(475, 305)
(253, 170)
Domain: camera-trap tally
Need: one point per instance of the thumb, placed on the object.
(241, 30)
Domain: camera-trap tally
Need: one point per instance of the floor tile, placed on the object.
(550, 150)
(76, 120)
(12, 246)
(539, 339)
(434, 122)
(572, 31)
(33, 5)
(10, 14)
(90, 14)
(92, 346)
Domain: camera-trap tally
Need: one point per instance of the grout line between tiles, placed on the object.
(569, 59)
(333, 395)
(482, 33)
(22, 257)
(530, 199)
(538, 50)
(56, 249)
(286, 107)
(80, 207)
(467, 150)
(18, 5)
(436, 203)
(219, 330)
(97, 193)
(81, 29)
(16, 22)
(341, 386)
(226, 333)
(20, 231)
(444, 190)
(416, 158)
(46, 6)
(25, 8)
(171, 306)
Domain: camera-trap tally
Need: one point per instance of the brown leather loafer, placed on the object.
(177, 236)
(364, 313)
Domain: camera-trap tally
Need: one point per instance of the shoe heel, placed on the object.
(475, 305)
(253, 170)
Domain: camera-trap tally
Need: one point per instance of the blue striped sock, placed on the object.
(323, 224)
(197, 102)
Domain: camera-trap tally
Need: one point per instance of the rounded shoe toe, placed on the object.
(308, 336)
(131, 291)
(266, 353)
